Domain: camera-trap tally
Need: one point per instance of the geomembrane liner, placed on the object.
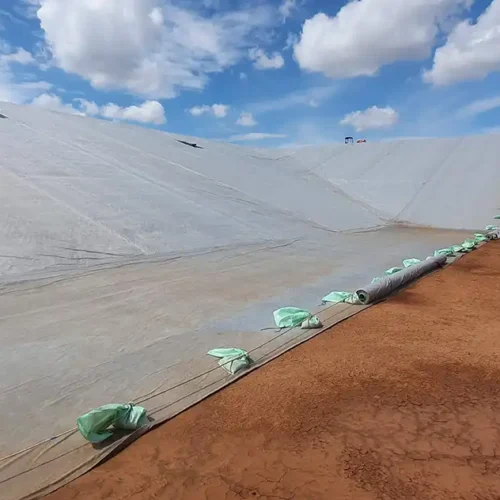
(125, 256)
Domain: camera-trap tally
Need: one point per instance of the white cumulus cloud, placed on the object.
(367, 34)
(246, 120)
(54, 103)
(218, 110)
(255, 136)
(147, 112)
(263, 61)
(371, 118)
(88, 107)
(199, 110)
(147, 47)
(471, 52)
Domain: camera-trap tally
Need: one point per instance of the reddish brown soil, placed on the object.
(402, 401)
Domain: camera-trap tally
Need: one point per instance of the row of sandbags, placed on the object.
(100, 423)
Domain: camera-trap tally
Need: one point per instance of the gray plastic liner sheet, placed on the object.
(389, 284)
(125, 256)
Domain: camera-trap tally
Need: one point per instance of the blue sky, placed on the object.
(261, 72)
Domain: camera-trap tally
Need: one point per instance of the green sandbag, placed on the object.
(288, 317)
(339, 297)
(458, 248)
(133, 419)
(311, 323)
(497, 217)
(449, 252)
(95, 425)
(478, 237)
(469, 245)
(393, 270)
(232, 360)
(491, 227)
(411, 262)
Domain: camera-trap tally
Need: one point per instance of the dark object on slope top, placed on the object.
(2, 115)
(349, 140)
(192, 144)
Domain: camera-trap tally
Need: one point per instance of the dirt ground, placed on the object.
(402, 401)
